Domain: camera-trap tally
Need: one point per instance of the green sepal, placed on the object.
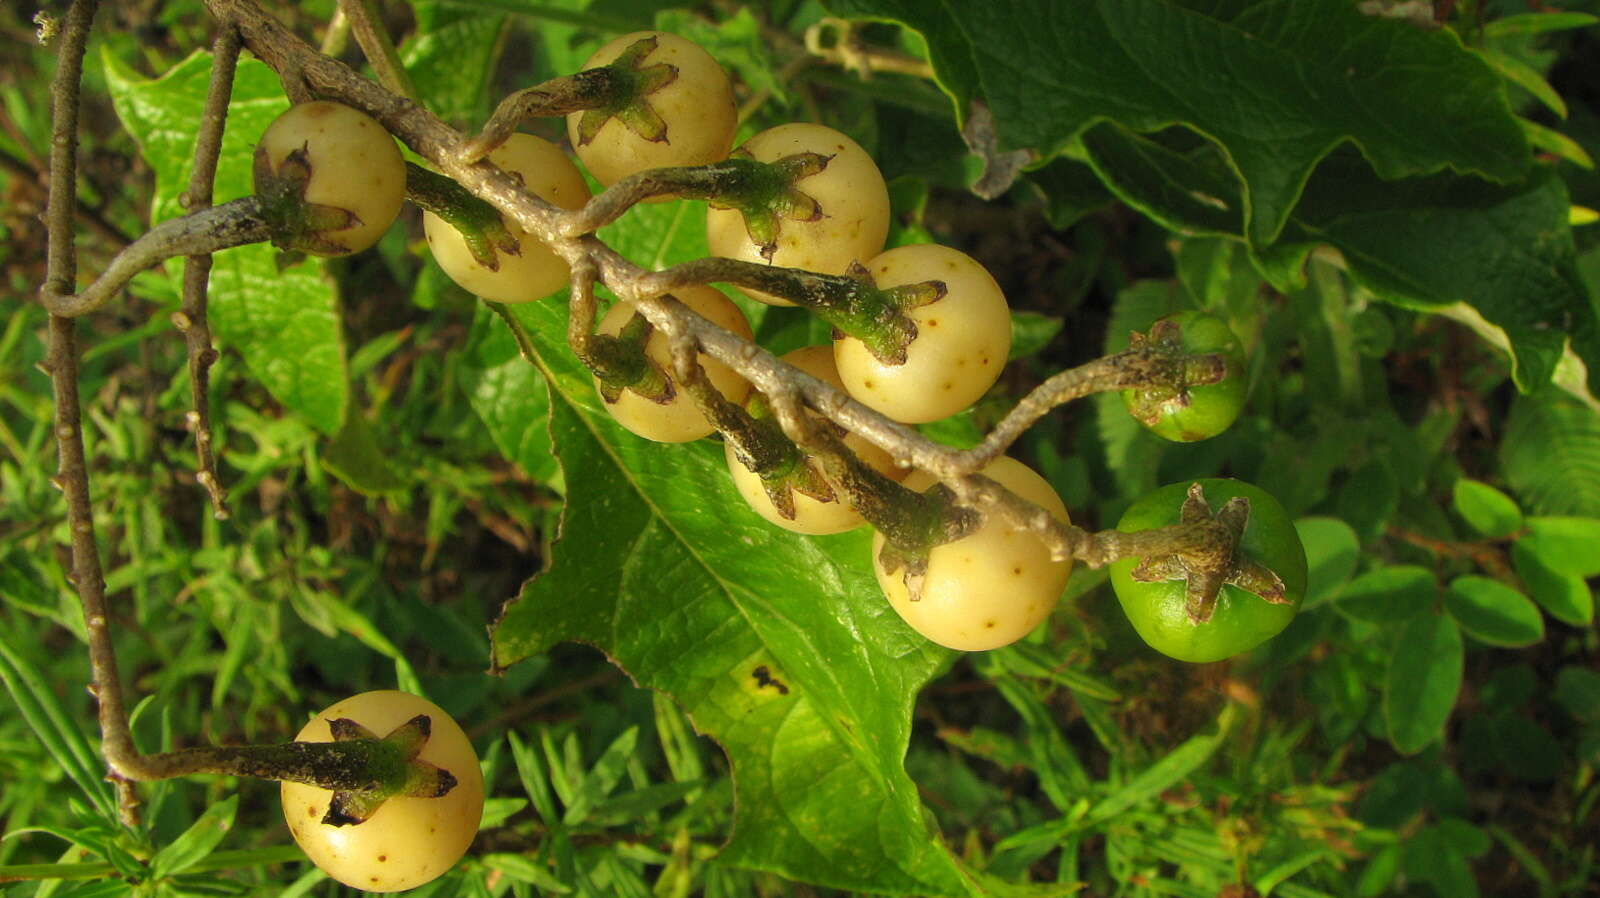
(625, 93)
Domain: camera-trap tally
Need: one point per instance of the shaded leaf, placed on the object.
(1566, 544)
(1316, 72)
(1390, 593)
(1490, 512)
(1331, 554)
(1565, 597)
(1578, 690)
(285, 323)
(1551, 454)
(1492, 612)
(1425, 670)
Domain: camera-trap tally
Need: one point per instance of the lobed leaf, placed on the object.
(779, 647)
(1275, 85)
(285, 323)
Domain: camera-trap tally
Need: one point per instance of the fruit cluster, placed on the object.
(921, 331)
(800, 213)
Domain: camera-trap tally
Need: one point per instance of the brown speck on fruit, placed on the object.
(869, 384)
(948, 386)
(382, 858)
(1017, 571)
(933, 322)
(373, 879)
(311, 812)
(988, 625)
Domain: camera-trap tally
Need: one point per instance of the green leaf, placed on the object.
(736, 42)
(1332, 551)
(198, 841)
(1425, 670)
(355, 457)
(285, 324)
(1538, 23)
(450, 57)
(1031, 332)
(510, 397)
(1557, 144)
(1432, 243)
(1432, 857)
(1494, 613)
(1388, 594)
(521, 868)
(1578, 690)
(1566, 544)
(1490, 512)
(1369, 497)
(1177, 766)
(1191, 193)
(602, 778)
(1565, 597)
(54, 726)
(1524, 76)
(1317, 74)
(779, 647)
(1551, 454)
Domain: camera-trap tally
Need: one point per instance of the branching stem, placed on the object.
(201, 232)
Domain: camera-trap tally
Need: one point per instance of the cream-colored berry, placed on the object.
(850, 192)
(535, 272)
(354, 165)
(407, 841)
(697, 108)
(679, 420)
(962, 339)
(991, 587)
(812, 516)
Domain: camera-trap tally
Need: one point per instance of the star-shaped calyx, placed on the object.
(298, 225)
(398, 771)
(621, 363)
(1214, 563)
(629, 84)
(1151, 403)
(770, 195)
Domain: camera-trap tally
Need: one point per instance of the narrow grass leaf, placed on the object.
(55, 728)
(602, 778)
(1175, 767)
(534, 782)
(199, 840)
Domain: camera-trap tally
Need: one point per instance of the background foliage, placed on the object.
(1383, 210)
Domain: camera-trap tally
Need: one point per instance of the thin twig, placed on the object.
(192, 322)
(62, 363)
(234, 223)
(94, 218)
(376, 44)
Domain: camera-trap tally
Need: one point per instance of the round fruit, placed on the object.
(679, 420)
(811, 516)
(961, 344)
(1240, 620)
(535, 272)
(351, 163)
(991, 587)
(696, 109)
(851, 195)
(407, 841)
(1205, 410)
